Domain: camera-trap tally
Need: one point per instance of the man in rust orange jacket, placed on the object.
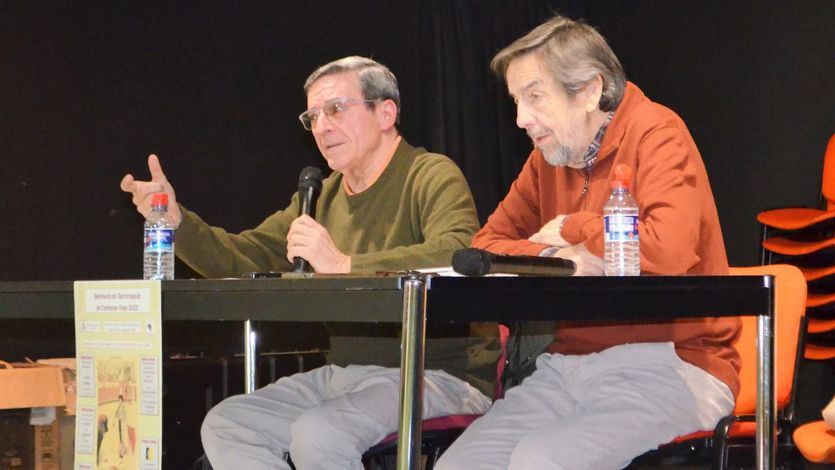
(603, 394)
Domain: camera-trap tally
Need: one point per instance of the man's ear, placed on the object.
(591, 94)
(388, 114)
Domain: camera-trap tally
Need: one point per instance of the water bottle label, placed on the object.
(620, 228)
(160, 239)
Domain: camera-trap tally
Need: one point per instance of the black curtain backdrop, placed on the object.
(89, 89)
(466, 110)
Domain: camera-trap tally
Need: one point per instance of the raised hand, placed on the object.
(143, 190)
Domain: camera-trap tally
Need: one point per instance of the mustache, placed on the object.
(537, 133)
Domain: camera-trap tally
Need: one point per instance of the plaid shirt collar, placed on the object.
(591, 154)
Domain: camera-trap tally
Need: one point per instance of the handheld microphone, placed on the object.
(475, 262)
(310, 184)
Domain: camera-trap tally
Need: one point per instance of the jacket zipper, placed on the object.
(584, 201)
(586, 182)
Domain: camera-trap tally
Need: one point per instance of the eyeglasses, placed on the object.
(333, 109)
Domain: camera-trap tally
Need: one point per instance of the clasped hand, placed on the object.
(587, 264)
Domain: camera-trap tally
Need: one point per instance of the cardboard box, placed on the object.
(54, 443)
(48, 446)
(68, 375)
(28, 385)
(27, 447)
(47, 384)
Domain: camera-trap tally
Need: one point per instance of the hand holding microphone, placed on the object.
(310, 185)
(309, 245)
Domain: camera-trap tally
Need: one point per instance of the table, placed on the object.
(415, 299)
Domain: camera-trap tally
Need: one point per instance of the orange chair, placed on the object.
(798, 218)
(817, 352)
(740, 427)
(820, 327)
(816, 441)
(806, 236)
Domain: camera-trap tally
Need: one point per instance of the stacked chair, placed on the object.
(805, 237)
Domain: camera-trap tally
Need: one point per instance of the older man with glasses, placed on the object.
(386, 206)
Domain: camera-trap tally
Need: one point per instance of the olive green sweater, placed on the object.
(414, 216)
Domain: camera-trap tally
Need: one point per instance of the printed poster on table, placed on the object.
(118, 341)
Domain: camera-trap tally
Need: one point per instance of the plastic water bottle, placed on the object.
(621, 247)
(159, 241)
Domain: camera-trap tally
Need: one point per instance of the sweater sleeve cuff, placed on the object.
(572, 229)
(189, 223)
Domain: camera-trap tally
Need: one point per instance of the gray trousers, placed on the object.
(592, 412)
(326, 418)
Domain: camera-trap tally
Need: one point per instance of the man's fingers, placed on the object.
(128, 184)
(305, 220)
(295, 251)
(140, 189)
(143, 189)
(157, 176)
(303, 224)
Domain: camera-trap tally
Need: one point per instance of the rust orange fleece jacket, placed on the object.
(679, 227)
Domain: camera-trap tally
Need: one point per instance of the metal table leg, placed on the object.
(250, 355)
(411, 372)
(766, 398)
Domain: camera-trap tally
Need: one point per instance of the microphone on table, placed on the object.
(475, 262)
(310, 184)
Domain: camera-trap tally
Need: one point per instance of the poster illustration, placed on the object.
(119, 354)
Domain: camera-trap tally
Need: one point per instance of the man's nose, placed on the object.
(524, 118)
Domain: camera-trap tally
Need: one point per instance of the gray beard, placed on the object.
(561, 156)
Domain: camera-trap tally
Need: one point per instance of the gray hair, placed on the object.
(575, 53)
(376, 80)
